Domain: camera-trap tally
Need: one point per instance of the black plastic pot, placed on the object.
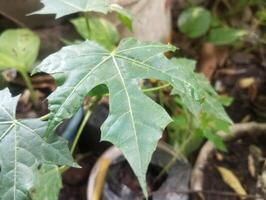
(103, 177)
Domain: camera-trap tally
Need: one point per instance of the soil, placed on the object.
(236, 160)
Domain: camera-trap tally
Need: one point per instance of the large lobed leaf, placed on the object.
(65, 7)
(23, 150)
(135, 122)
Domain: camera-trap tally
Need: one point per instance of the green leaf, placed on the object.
(86, 65)
(200, 90)
(100, 31)
(261, 15)
(123, 15)
(225, 35)
(215, 139)
(225, 100)
(99, 91)
(23, 149)
(19, 49)
(66, 7)
(47, 184)
(194, 21)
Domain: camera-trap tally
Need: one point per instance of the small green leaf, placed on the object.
(47, 184)
(100, 30)
(225, 35)
(19, 49)
(23, 149)
(225, 100)
(99, 91)
(123, 15)
(261, 15)
(215, 139)
(194, 21)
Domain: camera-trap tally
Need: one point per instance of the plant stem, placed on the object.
(188, 146)
(29, 85)
(150, 89)
(82, 126)
(86, 15)
(63, 168)
(156, 88)
(170, 164)
(45, 117)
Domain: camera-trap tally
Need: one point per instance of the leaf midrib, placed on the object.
(129, 107)
(81, 81)
(145, 66)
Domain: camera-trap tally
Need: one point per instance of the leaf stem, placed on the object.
(29, 85)
(63, 168)
(86, 15)
(80, 130)
(45, 117)
(156, 88)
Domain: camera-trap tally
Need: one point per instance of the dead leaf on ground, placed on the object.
(246, 82)
(211, 57)
(232, 181)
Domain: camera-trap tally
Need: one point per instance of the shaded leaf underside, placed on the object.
(135, 122)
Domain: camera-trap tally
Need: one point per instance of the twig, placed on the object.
(21, 24)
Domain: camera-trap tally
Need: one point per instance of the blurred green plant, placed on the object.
(194, 21)
(98, 29)
(187, 132)
(197, 21)
(19, 49)
(225, 35)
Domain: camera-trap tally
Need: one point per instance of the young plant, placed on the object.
(197, 21)
(84, 66)
(187, 132)
(19, 49)
(135, 122)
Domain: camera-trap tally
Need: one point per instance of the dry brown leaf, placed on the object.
(246, 82)
(211, 57)
(251, 166)
(219, 156)
(231, 180)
